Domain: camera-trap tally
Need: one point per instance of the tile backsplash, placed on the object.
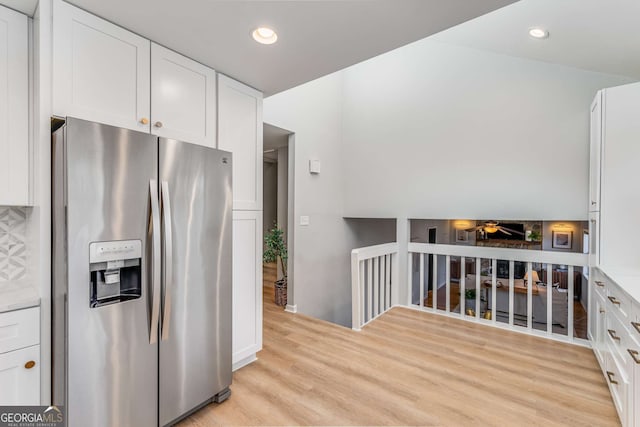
(13, 243)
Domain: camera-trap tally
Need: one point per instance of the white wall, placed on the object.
(433, 130)
(429, 130)
(321, 264)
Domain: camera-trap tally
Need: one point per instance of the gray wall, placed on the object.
(369, 232)
(321, 265)
(270, 195)
(283, 194)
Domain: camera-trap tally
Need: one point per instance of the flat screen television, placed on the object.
(503, 236)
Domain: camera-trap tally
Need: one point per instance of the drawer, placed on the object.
(619, 386)
(617, 338)
(19, 329)
(598, 283)
(620, 303)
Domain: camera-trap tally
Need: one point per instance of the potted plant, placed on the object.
(470, 301)
(277, 248)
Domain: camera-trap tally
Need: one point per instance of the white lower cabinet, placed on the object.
(20, 377)
(247, 286)
(615, 337)
(20, 357)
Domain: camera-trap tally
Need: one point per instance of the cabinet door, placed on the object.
(594, 239)
(620, 200)
(14, 108)
(595, 154)
(183, 98)
(598, 330)
(247, 284)
(20, 377)
(240, 131)
(100, 71)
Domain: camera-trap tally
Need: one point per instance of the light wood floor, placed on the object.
(410, 368)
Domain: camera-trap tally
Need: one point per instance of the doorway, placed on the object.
(278, 205)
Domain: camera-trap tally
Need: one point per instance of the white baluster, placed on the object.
(421, 280)
(376, 286)
(448, 283)
(511, 284)
(549, 298)
(463, 285)
(570, 297)
(530, 286)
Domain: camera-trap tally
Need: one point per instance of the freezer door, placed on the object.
(195, 344)
(111, 366)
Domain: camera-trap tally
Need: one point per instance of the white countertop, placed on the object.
(17, 295)
(628, 280)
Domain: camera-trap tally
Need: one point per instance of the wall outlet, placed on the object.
(304, 220)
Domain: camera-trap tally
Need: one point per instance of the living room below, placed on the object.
(510, 303)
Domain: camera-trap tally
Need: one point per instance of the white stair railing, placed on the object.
(374, 282)
(511, 303)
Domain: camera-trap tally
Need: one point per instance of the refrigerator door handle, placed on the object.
(168, 261)
(156, 260)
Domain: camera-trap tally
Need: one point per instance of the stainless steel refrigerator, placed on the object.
(141, 259)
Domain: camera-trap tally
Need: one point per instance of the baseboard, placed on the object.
(244, 362)
(291, 308)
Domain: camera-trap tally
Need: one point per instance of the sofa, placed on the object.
(559, 298)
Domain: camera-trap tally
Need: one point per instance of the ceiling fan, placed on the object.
(492, 227)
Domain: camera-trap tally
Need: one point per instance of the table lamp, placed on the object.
(534, 277)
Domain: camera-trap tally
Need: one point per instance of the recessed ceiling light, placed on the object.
(538, 33)
(265, 35)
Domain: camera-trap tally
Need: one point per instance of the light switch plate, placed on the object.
(314, 166)
(304, 220)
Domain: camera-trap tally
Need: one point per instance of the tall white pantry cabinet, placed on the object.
(105, 73)
(240, 131)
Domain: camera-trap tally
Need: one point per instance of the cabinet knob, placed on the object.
(614, 300)
(144, 121)
(610, 375)
(599, 283)
(593, 203)
(30, 364)
(158, 124)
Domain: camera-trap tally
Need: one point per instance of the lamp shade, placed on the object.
(534, 276)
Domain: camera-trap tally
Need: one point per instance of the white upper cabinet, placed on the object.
(596, 153)
(240, 131)
(14, 108)
(620, 198)
(183, 98)
(100, 71)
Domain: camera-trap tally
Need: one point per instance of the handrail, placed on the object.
(376, 250)
(523, 255)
